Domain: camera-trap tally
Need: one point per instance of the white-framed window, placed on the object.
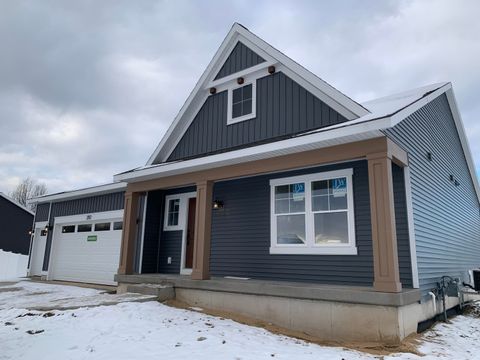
(242, 102)
(172, 213)
(313, 214)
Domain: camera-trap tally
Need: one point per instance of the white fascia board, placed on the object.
(8, 198)
(93, 191)
(328, 94)
(90, 217)
(317, 140)
(463, 139)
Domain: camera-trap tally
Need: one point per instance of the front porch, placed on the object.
(328, 312)
(379, 153)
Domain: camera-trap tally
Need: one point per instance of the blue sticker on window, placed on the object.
(298, 191)
(339, 187)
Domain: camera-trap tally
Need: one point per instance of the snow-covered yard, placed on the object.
(150, 330)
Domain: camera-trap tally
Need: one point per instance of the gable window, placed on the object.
(241, 103)
(313, 214)
(172, 212)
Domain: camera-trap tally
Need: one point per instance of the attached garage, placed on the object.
(86, 250)
(78, 235)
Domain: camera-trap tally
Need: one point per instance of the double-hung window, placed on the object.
(172, 213)
(313, 214)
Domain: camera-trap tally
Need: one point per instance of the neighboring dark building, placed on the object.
(16, 222)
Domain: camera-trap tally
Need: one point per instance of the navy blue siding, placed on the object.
(15, 223)
(446, 217)
(239, 59)
(284, 109)
(241, 235)
(41, 212)
(159, 245)
(100, 203)
(401, 223)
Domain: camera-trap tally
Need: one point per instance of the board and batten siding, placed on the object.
(241, 58)
(87, 205)
(446, 217)
(240, 238)
(41, 212)
(284, 109)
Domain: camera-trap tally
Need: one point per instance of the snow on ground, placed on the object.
(150, 330)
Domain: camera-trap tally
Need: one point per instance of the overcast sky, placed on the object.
(88, 88)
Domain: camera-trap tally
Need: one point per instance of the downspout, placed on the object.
(434, 298)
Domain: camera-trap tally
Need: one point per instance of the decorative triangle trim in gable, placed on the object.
(338, 101)
(241, 58)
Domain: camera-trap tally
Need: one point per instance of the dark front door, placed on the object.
(192, 205)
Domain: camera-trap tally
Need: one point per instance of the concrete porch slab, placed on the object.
(293, 290)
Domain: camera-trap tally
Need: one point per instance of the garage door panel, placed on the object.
(77, 259)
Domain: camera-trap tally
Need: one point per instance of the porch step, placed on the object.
(161, 291)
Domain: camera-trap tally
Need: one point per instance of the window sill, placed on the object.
(330, 250)
(231, 121)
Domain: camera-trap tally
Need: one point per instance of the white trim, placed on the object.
(325, 138)
(89, 217)
(411, 227)
(319, 88)
(16, 203)
(310, 248)
(253, 114)
(96, 190)
(184, 270)
(142, 236)
(179, 225)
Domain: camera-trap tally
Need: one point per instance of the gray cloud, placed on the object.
(87, 89)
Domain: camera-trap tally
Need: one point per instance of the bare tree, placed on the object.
(27, 189)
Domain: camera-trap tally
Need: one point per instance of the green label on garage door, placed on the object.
(92, 238)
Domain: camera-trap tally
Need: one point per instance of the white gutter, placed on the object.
(327, 137)
(96, 190)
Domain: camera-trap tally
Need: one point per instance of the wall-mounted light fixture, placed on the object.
(429, 156)
(213, 90)
(31, 232)
(271, 69)
(48, 227)
(240, 80)
(457, 183)
(451, 177)
(217, 204)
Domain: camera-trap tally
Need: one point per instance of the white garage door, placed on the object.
(87, 251)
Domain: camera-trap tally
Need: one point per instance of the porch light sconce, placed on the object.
(48, 227)
(429, 156)
(451, 177)
(218, 204)
(457, 183)
(271, 69)
(240, 80)
(213, 90)
(31, 231)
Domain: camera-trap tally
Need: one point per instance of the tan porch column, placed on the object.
(127, 251)
(384, 234)
(203, 224)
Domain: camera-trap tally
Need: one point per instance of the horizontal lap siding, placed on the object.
(240, 58)
(284, 109)
(159, 245)
(401, 223)
(446, 217)
(241, 235)
(88, 205)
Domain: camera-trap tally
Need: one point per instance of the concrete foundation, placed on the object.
(331, 321)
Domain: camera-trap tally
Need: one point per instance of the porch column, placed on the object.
(384, 234)
(127, 251)
(203, 224)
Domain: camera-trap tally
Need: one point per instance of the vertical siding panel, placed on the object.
(283, 109)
